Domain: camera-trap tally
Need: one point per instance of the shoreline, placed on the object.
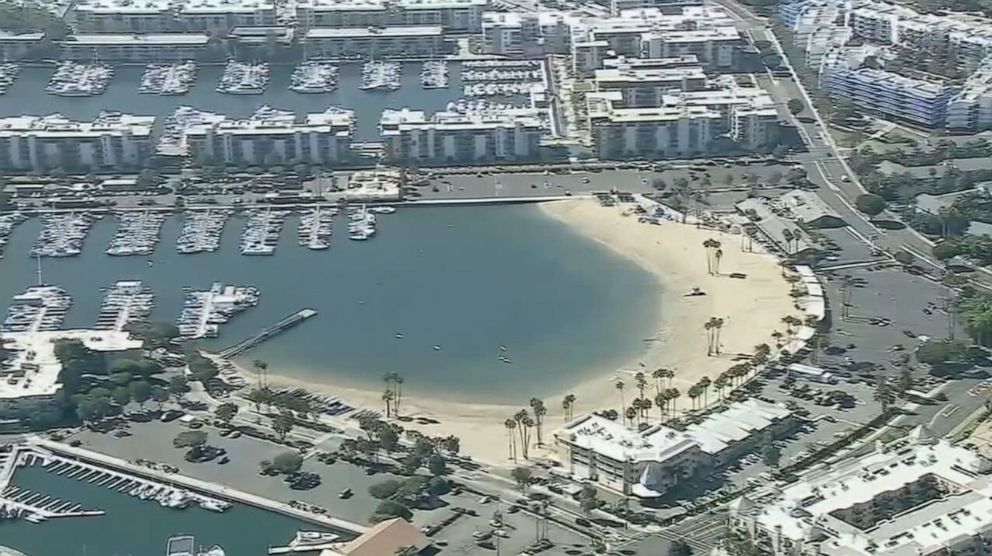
(674, 255)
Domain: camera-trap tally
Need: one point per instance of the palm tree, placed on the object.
(528, 424)
(710, 245)
(641, 382)
(673, 396)
(708, 327)
(883, 394)
(387, 397)
(568, 405)
(662, 374)
(398, 383)
(717, 255)
(537, 406)
(519, 417)
(761, 354)
(661, 402)
(510, 424)
(704, 385)
(260, 368)
(712, 328)
(619, 387)
(787, 236)
(646, 408)
(720, 383)
(631, 413)
(694, 392)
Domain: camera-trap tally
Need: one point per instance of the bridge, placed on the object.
(277, 328)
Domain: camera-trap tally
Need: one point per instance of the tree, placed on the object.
(588, 498)
(904, 382)
(883, 394)
(259, 397)
(771, 455)
(436, 465)
(795, 106)
(282, 424)
(388, 509)
(537, 407)
(568, 406)
(121, 396)
(388, 438)
(287, 463)
(679, 548)
(178, 385)
(870, 204)
(522, 476)
(226, 412)
(386, 489)
(511, 425)
(159, 395)
(190, 439)
(140, 391)
(438, 486)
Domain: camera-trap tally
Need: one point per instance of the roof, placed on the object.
(934, 203)
(386, 538)
(807, 206)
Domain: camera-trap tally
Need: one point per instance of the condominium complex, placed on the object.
(18, 46)
(149, 16)
(649, 462)
(879, 92)
(271, 136)
(143, 48)
(917, 496)
(527, 33)
(463, 16)
(641, 87)
(703, 31)
(375, 42)
(617, 6)
(410, 136)
(113, 140)
(971, 108)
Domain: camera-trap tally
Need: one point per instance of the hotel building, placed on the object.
(916, 496)
(462, 16)
(271, 136)
(111, 141)
(410, 136)
(650, 462)
(143, 48)
(375, 42)
(887, 94)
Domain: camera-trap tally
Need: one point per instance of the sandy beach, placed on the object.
(752, 309)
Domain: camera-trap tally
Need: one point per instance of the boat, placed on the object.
(346, 494)
(314, 77)
(244, 79)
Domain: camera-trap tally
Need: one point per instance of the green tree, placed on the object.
(141, 392)
(386, 489)
(178, 385)
(438, 486)
(282, 424)
(388, 509)
(771, 455)
(883, 394)
(904, 382)
(190, 439)
(795, 106)
(679, 548)
(870, 204)
(287, 463)
(159, 395)
(588, 498)
(522, 476)
(226, 412)
(436, 465)
(121, 395)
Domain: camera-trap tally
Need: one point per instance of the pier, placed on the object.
(279, 327)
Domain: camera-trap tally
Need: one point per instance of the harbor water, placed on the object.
(27, 96)
(135, 527)
(449, 297)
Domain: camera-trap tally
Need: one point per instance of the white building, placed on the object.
(138, 48)
(649, 462)
(272, 136)
(111, 141)
(464, 16)
(646, 87)
(410, 136)
(917, 496)
(889, 95)
(617, 6)
(375, 42)
(659, 132)
(971, 109)
(18, 46)
(527, 33)
(149, 16)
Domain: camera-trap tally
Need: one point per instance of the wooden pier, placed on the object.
(277, 328)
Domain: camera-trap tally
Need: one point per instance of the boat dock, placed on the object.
(126, 301)
(277, 328)
(16, 502)
(204, 311)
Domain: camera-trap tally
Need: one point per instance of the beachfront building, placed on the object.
(31, 369)
(971, 108)
(460, 16)
(410, 136)
(19, 46)
(527, 33)
(137, 48)
(269, 137)
(375, 42)
(111, 141)
(703, 31)
(918, 495)
(644, 87)
(658, 132)
(156, 16)
(648, 463)
(889, 95)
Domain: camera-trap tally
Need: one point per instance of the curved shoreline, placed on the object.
(673, 254)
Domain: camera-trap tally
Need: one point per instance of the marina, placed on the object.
(434, 75)
(79, 80)
(8, 73)
(137, 233)
(126, 302)
(7, 224)
(38, 308)
(202, 230)
(62, 234)
(314, 77)
(361, 222)
(244, 79)
(262, 230)
(316, 227)
(204, 311)
(378, 75)
(487, 90)
(172, 79)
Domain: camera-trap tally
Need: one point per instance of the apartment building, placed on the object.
(111, 141)
(659, 132)
(641, 87)
(151, 16)
(18, 46)
(648, 463)
(375, 42)
(703, 31)
(272, 136)
(917, 495)
(144, 48)
(889, 95)
(527, 33)
(410, 136)
(617, 6)
(460, 16)
(971, 108)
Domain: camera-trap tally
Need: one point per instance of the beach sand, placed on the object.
(672, 252)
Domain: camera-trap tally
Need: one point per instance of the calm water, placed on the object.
(135, 527)
(27, 96)
(467, 279)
